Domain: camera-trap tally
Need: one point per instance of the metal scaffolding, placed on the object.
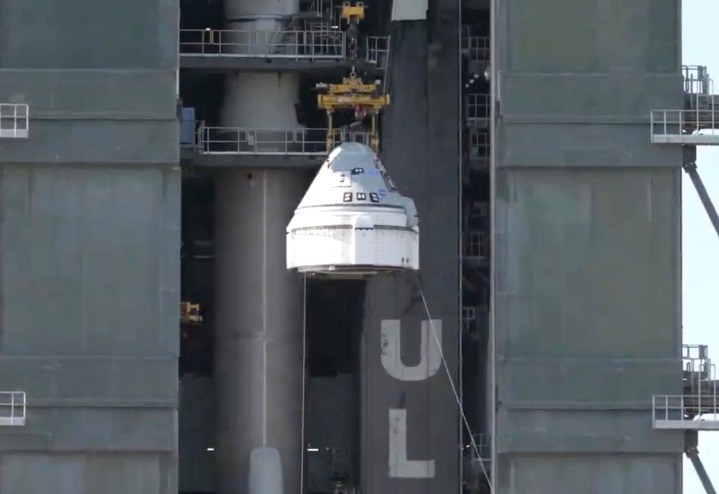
(697, 124)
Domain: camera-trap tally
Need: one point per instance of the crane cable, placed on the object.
(304, 381)
(457, 398)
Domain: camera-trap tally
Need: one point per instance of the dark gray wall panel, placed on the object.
(89, 264)
(91, 381)
(590, 36)
(109, 474)
(607, 473)
(89, 94)
(80, 427)
(89, 245)
(586, 318)
(615, 233)
(605, 143)
(84, 34)
(95, 143)
(621, 95)
(421, 153)
(90, 261)
(581, 428)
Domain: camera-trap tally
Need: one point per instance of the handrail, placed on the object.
(478, 48)
(696, 79)
(477, 108)
(14, 120)
(684, 125)
(13, 408)
(476, 244)
(377, 50)
(697, 412)
(478, 144)
(329, 44)
(272, 142)
(695, 352)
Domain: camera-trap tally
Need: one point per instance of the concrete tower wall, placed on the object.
(89, 246)
(586, 252)
(410, 427)
(259, 304)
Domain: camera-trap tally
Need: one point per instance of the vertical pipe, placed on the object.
(259, 306)
(259, 366)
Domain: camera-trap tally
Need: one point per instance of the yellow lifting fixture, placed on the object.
(352, 13)
(352, 93)
(190, 313)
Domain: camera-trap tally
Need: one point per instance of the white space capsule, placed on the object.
(352, 221)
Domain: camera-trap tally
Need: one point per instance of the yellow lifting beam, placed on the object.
(352, 13)
(352, 93)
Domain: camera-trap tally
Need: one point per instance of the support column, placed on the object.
(409, 417)
(258, 333)
(259, 304)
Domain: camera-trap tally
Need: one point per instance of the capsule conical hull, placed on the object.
(353, 221)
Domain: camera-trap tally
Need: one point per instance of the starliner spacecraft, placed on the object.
(352, 221)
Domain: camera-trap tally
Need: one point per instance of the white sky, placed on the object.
(701, 244)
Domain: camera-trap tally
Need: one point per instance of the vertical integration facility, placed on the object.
(152, 153)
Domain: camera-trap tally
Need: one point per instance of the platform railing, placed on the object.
(478, 145)
(696, 364)
(686, 412)
(474, 319)
(14, 121)
(476, 467)
(13, 407)
(272, 142)
(696, 79)
(692, 351)
(696, 126)
(477, 107)
(478, 48)
(263, 44)
(476, 245)
(469, 316)
(377, 50)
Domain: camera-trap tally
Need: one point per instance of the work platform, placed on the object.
(695, 127)
(279, 51)
(236, 147)
(697, 124)
(698, 407)
(686, 412)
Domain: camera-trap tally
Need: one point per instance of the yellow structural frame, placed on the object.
(190, 313)
(352, 93)
(352, 12)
